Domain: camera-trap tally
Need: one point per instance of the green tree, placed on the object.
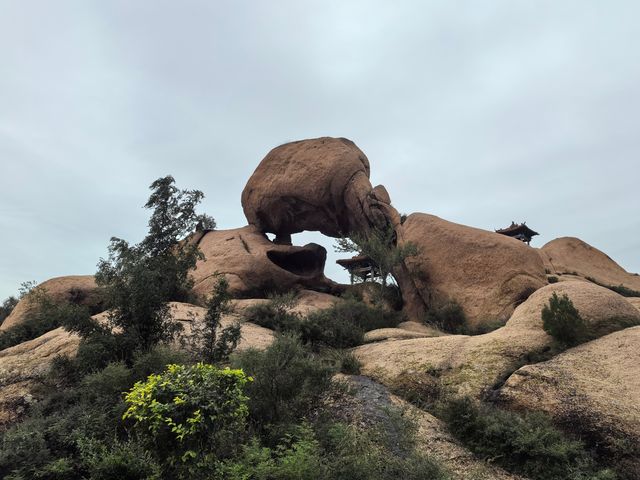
(381, 246)
(561, 320)
(139, 280)
(7, 307)
(209, 341)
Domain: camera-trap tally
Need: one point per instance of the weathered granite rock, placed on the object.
(320, 184)
(254, 266)
(486, 273)
(79, 289)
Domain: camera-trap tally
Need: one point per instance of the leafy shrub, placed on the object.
(120, 460)
(275, 314)
(188, 412)
(7, 307)
(340, 326)
(288, 381)
(449, 317)
(298, 456)
(562, 321)
(207, 342)
(552, 279)
(383, 453)
(528, 444)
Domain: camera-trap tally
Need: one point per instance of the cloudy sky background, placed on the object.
(478, 112)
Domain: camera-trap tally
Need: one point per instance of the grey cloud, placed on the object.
(480, 112)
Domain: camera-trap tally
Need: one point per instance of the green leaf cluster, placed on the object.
(189, 410)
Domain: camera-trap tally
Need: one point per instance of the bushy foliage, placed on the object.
(562, 321)
(527, 443)
(288, 381)
(336, 451)
(340, 326)
(209, 341)
(120, 460)
(189, 412)
(51, 441)
(275, 314)
(139, 280)
(7, 307)
(448, 317)
(381, 246)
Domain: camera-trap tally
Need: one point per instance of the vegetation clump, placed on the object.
(188, 414)
(527, 443)
(342, 325)
(562, 321)
(209, 341)
(448, 317)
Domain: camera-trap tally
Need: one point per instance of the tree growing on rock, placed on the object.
(210, 342)
(138, 280)
(381, 246)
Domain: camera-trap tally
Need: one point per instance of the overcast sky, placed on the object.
(478, 112)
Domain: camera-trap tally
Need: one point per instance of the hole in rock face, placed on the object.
(307, 262)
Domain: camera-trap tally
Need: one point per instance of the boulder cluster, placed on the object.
(500, 283)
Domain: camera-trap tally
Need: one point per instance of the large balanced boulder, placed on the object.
(593, 389)
(486, 273)
(474, 365)
(254, 266)
(569, 256)
(320, 184)
(78, 289)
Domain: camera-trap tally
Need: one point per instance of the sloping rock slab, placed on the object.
(488, 274)
(594, 389)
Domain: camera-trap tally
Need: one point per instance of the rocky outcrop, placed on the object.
(22, 366)
(79, 289)
(474, 365)
(320, 184)
(593, 389)
(571, 256)
(254, 266)
(486, 273)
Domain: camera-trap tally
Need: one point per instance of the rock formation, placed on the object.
(253, 265)
(473, 365)
(486, 273)
(319, 185)
(80, 289)
(593, 389)
(568, 256)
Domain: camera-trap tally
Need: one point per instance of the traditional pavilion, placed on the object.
(519, 231)
(361, 268)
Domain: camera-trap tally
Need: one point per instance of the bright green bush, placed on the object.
(189, 412)
(562, 321)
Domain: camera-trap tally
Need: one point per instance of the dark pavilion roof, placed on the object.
(517, 229)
